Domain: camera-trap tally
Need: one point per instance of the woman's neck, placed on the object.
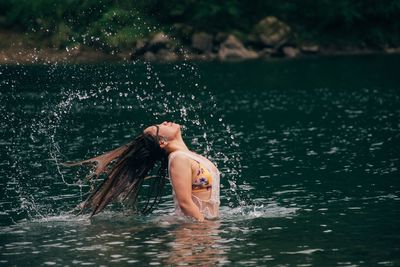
(175, 145)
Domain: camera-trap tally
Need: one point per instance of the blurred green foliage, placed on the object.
(114, 24)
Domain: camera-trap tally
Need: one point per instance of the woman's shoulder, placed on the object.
(178, 164)
(178, 156)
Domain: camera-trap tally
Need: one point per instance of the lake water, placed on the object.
(309, 150)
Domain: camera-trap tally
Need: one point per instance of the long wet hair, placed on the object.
(132, 164)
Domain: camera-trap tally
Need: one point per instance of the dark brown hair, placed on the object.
(133, 163)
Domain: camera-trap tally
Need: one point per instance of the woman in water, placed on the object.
(194, 179)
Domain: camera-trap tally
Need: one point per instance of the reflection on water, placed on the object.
(197, 244)
(127, 238)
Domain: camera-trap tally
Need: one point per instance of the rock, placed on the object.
(232, 42)
(271, 32)
(140, 47)
(392, 50)
(290, 51)
(160, 41)
(124, 56)
(160, 47)
(149, 56)
(166, 55)
(159, 38)
(221, 37)
(139, 50)
(233, 49)
(202, 42)
(267, 52)
(309, 48)
(75, 50)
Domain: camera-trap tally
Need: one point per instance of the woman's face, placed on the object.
(167, 130)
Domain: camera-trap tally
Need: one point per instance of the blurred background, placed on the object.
(129, 28)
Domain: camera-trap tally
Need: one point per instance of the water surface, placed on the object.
(309, 150)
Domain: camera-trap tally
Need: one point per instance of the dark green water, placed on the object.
(309, 150)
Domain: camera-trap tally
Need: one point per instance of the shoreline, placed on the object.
(24, 56)
(20, 48)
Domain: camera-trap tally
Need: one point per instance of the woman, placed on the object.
(194, 179)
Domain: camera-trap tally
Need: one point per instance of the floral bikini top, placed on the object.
(203, 180)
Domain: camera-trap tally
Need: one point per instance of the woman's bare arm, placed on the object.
(181, 178)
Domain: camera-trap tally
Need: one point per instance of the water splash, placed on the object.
(249, 212)
(73, 95)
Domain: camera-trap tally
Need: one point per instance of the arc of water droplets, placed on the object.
(170, 104)
(17, 181)
(189, 110)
